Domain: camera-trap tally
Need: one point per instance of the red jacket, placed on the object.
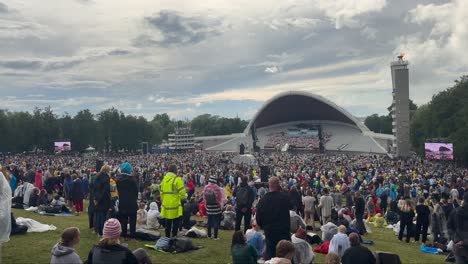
(190, 185)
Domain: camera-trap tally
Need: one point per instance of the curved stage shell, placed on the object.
(290, 109)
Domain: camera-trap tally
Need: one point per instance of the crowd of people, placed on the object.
(340, 192)
(306, 142)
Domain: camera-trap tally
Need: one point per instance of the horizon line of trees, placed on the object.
(108, 130)
(445, 116)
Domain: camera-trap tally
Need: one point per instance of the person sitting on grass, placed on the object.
(284, 253)
(152, 220)
(109, 249)
(63, 252)
(242, 253)
(332, 258)
(357, 253)
(229, 218)
(304, 253)
(33, 199)
(142, 215)
(340, 242)
(255, 238)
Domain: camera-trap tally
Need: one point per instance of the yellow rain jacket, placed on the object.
(172, 192)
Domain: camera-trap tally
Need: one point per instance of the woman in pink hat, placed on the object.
(109, 249)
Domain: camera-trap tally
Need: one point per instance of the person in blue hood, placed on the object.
(128, 195)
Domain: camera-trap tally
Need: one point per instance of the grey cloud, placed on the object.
(3, 8)
(57, 64)
(176, 29)
(21, 64)
(119, 52)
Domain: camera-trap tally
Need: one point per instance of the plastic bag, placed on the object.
(5, 209)
(450, 246)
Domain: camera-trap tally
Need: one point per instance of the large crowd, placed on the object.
(345, 194)
(278, 140)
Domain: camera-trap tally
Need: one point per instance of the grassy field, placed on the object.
(35, 247)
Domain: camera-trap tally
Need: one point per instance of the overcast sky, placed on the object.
(224, 57)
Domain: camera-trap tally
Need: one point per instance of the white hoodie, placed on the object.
(153, 215)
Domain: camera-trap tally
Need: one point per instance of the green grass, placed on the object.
(35, 247)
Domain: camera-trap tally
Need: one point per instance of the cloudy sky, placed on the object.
(223, 57)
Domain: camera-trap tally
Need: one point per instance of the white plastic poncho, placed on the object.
(5, 209)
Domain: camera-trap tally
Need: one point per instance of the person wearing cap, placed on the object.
(127, 189)
(458, 228)
(213, 206)
(303, 253)
(172, 193)
(109, 249)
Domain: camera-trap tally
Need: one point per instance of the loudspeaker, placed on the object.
(99, 164)
(264, 173)
(241, 149)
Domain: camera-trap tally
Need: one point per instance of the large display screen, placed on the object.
(61, 146)
(439, 151)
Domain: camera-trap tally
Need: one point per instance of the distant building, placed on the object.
(400, 108)
(338, 131)
(181, 140)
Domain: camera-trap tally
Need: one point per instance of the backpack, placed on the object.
(181, 244)
(242, 196)
(162, 244)
(210, 197)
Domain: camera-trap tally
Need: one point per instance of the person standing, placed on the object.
(458, 228)
(326, 204)
(38, 180)
(438, 222)
(360, 205)
(77, 194)
(244, 200)
(274, 219)
(309, 209)
(172, 193)
(127, 189)
(214, 197)
(406, 220)
(422, 220)
(190, 187)
(101, 198)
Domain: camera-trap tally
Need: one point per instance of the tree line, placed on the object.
(108, 130)
(445, 116)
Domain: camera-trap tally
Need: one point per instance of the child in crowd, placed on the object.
(242, 253)
(142, 215)
(228, 218)
(284, 253)
(63, 251)
(152, 219)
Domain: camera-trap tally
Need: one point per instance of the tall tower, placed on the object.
(400, 107)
